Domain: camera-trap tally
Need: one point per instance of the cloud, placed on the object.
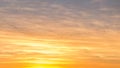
(30, 49)
(41, 30)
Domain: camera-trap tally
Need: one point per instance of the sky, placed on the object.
(60, 33)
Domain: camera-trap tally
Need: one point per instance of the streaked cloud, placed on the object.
(33, 49)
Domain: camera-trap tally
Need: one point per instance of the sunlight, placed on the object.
(44, 66)
(42, 62)
(29, 43)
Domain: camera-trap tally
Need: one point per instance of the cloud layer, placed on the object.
(44, 31)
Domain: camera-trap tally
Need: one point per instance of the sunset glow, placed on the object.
(44, 66)
(59, 34)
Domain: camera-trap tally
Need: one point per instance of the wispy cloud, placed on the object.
(32, 49)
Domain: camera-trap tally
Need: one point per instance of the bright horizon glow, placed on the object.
(44, 66)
